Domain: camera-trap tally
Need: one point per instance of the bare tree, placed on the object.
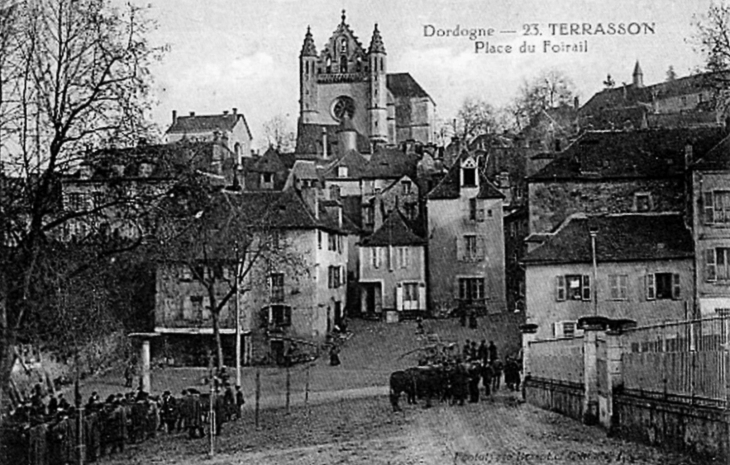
(224, 239)
(75, 75)
(550, 89)
(475, 117)
(279, 134)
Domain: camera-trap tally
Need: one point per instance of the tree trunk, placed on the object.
(218, 341)
(215, 314)
(7, 342)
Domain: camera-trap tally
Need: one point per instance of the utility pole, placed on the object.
(593, 231)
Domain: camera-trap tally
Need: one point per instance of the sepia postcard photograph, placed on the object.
(364, 232)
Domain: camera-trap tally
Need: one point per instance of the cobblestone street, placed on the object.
(365, 431)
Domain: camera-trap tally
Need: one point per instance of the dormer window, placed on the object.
(342, 172)
(469, 173)
(267, 180)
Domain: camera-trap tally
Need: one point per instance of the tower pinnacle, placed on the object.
(308, 48)
(376, 43)
(638, 75)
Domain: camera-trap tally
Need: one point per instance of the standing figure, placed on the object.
(239, 402)
(466, 351)
(496, 374)
(492, 351)
(334, 356)
(487, 374)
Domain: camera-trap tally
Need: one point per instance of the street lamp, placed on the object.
(593, 231)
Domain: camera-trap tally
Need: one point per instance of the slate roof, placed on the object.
(305, 169)
(387, 163)
(718, 158)
(207, 123)
(403, 85)
(630, 95)
(270, 162)
(620, 238)
(281, 210)
(652, 153)
(356, 165)
(394, 231)
(448, 187)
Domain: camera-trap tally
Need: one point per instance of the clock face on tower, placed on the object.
(341, 106)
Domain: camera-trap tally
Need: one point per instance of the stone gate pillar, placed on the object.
(591, 325)
(529, 332)
(614, 369)
(145, 358)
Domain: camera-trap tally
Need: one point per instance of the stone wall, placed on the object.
(551, 203)
(557, 396)
(686, 426)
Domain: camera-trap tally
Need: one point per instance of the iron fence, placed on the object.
(682, 359)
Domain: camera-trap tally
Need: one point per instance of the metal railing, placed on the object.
(684, 359)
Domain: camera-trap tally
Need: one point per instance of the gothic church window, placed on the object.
(343, 64)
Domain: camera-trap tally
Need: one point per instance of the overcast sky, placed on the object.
(244, 53)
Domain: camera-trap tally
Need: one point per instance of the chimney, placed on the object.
(235, 111)
(225, 112)
(192, 113)
(324, 143)
(576, 103)
(174, 116)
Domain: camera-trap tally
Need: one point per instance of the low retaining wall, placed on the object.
(677, 423)
(558, 396)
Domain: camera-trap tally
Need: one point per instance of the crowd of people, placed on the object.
(48, 432)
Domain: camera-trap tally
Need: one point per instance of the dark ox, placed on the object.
(421, 382)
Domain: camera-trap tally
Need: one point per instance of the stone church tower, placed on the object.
(344, 78)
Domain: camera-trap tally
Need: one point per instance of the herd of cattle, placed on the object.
(450, 382)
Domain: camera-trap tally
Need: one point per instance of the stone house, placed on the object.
(294, 291)
(688, 101)
(466, 241)
(606, 172)
(114, 188)
(393, 271)
(228, 128)
(710, 206)
(643, 272)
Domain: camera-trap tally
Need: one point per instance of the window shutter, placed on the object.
(390, 258)
(676, 290)
(709, 208)
(587, 294)
(481, 247)
(460, 248)
(560, 288)
(650, 286)
(558, 329)
(399, 297)
(421, 296)
(287, 316)
(710, 265)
